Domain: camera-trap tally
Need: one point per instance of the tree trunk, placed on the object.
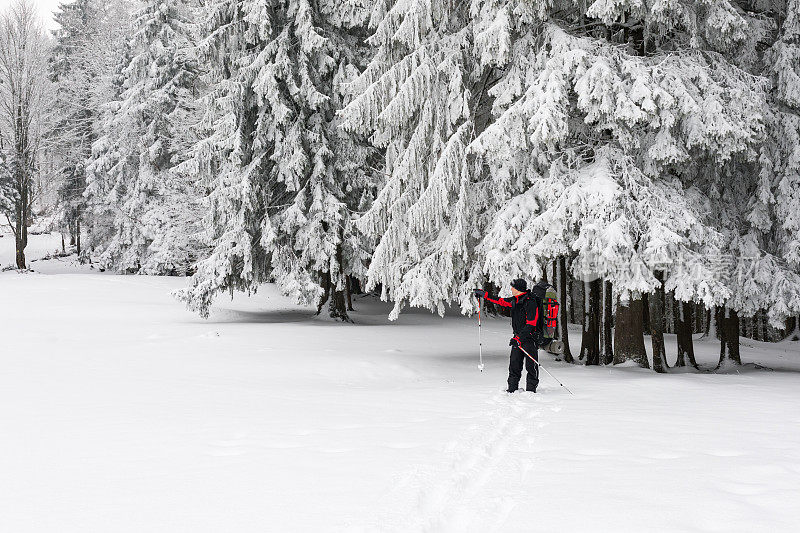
(348, 287)
(20, 223)
(608, 324)
(655, 302)
(563, 325)
(570, 292)
(20, 248)
(728, 326)
(63, 247)
(337, 307)
(355, 285)
(584, 328)
(335, 298)
(78, 235)
(646, 313)
(602, 322)
(628, 334)
(20, 258)
(590, 345)
(683, 329)
(579, 299)
(326, 288)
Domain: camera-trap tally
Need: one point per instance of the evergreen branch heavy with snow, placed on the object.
(151, 207)
(495, 115)
(283, 179)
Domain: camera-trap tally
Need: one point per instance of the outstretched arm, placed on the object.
(502, 302)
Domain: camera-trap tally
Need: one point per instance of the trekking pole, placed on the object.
(543, 368)
(480, 342)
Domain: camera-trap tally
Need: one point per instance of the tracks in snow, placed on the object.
(485, 477)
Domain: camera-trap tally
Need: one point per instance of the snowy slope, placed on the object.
(121, 411)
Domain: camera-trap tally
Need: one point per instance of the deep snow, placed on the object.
(121, 411)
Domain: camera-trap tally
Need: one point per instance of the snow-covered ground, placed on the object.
(121, 411)
(38, 246)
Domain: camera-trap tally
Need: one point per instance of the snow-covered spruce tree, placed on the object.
(781, 157)
(672, 114)
(73, 73)
(100, 217)
(621, 223)
(88, 35)
(153, 209)
(559, 97)
(423, 100)
(283, 179)
(757, 201)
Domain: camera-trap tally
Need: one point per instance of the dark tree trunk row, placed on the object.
(654, 314)
(594, 303)
(758, 327)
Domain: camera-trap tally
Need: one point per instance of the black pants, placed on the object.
(515, 368)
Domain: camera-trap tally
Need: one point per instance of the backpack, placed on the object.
(549, 298)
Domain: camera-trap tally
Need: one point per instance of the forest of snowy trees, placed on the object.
(641, 155)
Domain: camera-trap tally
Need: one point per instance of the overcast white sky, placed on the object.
(47, 8)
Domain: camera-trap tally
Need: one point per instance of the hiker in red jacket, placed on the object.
(528, 328)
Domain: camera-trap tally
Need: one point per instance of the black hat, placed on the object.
(520, 285)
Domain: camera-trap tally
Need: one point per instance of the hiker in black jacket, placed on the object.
(527, 326)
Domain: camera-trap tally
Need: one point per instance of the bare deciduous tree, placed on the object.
(23, 87)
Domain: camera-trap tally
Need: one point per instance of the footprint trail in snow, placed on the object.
(487, 472)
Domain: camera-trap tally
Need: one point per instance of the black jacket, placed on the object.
(525, 319)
